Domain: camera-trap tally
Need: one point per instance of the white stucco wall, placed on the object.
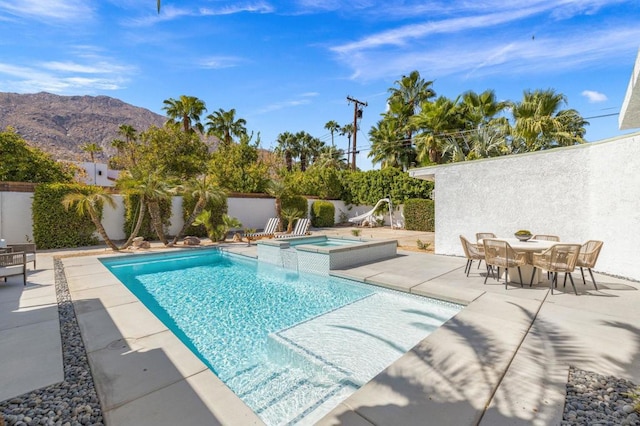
(579, 193)
(16, 224)
(251, 212)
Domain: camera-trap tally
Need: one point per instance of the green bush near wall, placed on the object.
(55, 227)
(217, 209)
(131, 210)
(297, 202)
(419, 215)
(322, 214)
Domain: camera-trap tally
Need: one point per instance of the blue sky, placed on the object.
(289, 65)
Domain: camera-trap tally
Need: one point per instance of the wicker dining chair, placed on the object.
(479, 237)
(471, 252)
(546, 237)
(588, 257)
(557, 258)
(500, 254)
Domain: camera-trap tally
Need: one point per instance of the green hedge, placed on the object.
(55, 227)
(322, 214)
(419, 215)
(131, 210)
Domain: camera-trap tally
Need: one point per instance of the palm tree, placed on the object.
(92, 204)
(437, 121)
(347, 130)
(331, 157)
(92, 148)
(128, 185)
(333, 127)
(186, 111)
(290, 214)
(287, 148)
(541, 124)
(481, 109)
(203, 190)
(223, 125)
(129, 132)
(278, 189)
(412, 91)
(388, 146)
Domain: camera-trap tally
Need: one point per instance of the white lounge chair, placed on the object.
(269, 230)
(301, 228)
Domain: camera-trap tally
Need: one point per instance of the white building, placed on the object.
(97, 174)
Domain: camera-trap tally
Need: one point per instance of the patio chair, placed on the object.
(301, 228)
(13, 263)
(269, 230)
(500, 254)
(546, 237)
(472, 252)
(588, 257)
(558, 258)
(28, 248)
(480, 236)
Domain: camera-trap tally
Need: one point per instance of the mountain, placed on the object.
(60, 125)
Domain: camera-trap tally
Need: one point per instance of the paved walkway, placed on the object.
(504, 359)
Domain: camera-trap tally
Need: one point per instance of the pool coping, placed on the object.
(502, 360)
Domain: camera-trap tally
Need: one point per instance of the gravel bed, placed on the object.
(73, 401)
(593, 399)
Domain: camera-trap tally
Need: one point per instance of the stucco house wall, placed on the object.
(583, 192)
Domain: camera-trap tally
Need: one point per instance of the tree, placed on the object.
(278, 189)
(22, 163)
(224, 126)
(154, 188)
(239, 167)
(333, 127)
(203, 190)
(388, 146)
(91, 148)
(92, 204)
(185, 111)
(287, 148)
(541, 124)
(438, 122)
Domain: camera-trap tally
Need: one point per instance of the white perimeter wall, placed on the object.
(16, 224)
(579, 193)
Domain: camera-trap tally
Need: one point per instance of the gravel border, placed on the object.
(594, 399)
(73, 401)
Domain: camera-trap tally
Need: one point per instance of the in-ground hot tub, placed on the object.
(321, 254)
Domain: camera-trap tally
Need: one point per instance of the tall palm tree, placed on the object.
(437, 121)
(203, 190)
(129, 132)
(347, 130)
(92, 148)
(92, 204)
(187, 111)
(388, 146)
(224, 126)
(481, 109)
(412, 91)
(331, 157)
(287, 148)
(541, 124)
(333, 127)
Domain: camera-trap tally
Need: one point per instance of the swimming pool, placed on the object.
(290, 345)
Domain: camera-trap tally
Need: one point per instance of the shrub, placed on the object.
(419, 215)
(55, 227)
(294, 202)
(322, 214)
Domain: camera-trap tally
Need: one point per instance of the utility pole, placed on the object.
(357, 113)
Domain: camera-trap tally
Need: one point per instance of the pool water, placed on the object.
(291, 345)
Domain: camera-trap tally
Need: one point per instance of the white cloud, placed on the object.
(86, 73)
(593, 96)
(57, 10)
(219, 62)
(284, 104)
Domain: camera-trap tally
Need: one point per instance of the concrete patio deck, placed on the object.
(504, 359)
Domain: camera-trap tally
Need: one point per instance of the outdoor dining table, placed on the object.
(529, 247)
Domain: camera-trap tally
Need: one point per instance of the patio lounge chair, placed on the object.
(301, 228)
(28, 248)
(13, 263)
(472, 252)
(269, 230)
(588, 257)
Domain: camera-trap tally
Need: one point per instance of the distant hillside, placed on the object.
(59, 125)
